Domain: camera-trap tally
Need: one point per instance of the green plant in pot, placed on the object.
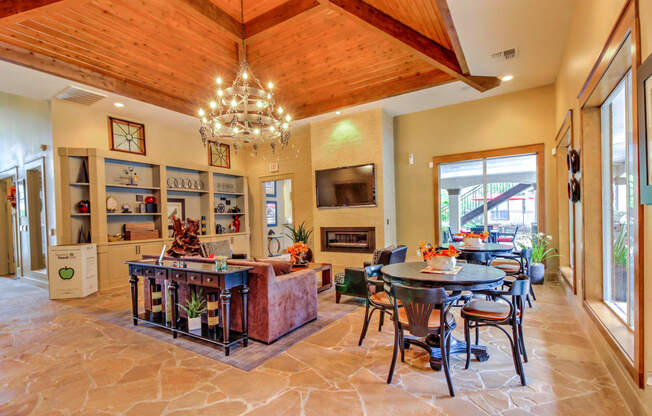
(300, 234)
(539, 243)
(194, 307)
(620, 266)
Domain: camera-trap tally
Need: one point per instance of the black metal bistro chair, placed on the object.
(424, 312)
(516, 266)
(499, 312)
(376, 300)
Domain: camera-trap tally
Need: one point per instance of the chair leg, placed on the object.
(517, 354)
(367, 318)
(522, 342)
(532, 293)
(338, 295)
(529, 302)
(443, 346)
(467, 339)
(381, 321)
(397, 339)
(477, 335)
(402, 345)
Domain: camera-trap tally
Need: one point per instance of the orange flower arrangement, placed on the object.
(483, 235)
(297, 250)
(12, 196)
(428, 251)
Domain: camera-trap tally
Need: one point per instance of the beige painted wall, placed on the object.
(24, 128)
(293, 162)
(591, 24)
(354, 139)
(516, 119)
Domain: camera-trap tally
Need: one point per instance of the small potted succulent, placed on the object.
(194, 308)
(439, 259)
(541, 251)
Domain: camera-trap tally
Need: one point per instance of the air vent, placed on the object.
(80, 96)
(505, 55)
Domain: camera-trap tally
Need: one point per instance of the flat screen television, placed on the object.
(351, 186)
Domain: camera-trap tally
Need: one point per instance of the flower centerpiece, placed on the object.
(474, 239)
(439, 259)
(300, 234)
(298, 252)
(12, 196)
(539, 243)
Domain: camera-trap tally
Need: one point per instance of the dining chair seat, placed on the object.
(382, 298)
(507, 265)
(505, 239)
(433, 320)
(486, 309)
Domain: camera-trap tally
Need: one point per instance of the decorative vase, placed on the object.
(537, 273)
(472, 242)
(194, 324)
(443, 263)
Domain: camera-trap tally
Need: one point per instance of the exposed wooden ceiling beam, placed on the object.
(447, 19)
(73, 72)
(14, 10)
(209, 10)
(424, 47)
(374, 92)
(277, 15)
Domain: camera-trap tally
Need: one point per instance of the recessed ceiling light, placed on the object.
(338, 112)
(119, 105)
(507, 77)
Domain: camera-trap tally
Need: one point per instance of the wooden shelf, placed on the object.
(79, 184)
(230, 213)
(195, 191)
(151, 240)
(80, 214)
(116, 214)
(115, 185)
(229, 193)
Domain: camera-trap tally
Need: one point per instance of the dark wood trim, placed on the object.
(232, 27)
(627, 24)
(15, 10)
(538, 149)
(447, 19)
(371, 232)
(426, 48)
(280, 14)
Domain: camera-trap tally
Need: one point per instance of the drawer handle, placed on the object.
(208, 279)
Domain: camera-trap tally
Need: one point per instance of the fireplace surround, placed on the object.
(348, 239)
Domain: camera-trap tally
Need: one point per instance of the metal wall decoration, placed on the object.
(644, 90)
(219, 154)
(126, 136)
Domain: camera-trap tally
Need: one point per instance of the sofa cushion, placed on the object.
(280, 267)
(217, 248)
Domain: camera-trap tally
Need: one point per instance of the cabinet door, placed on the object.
(118, 270)
(151, 248)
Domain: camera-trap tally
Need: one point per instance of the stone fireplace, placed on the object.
(348, 239)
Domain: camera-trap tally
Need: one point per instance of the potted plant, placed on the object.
(439, 259)
(620, 266)
(194, 308)
(300, 234)
(539, 243)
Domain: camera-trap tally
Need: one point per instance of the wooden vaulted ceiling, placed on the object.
(321, 54)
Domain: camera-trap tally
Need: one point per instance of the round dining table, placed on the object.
(471, 277)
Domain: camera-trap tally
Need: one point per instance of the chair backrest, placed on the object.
(519, 290)
(398, 255)
(472, 257)
(419, 304)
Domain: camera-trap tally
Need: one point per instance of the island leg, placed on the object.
(133, 280)
(174, 299)
(225, 298)
(244, 292)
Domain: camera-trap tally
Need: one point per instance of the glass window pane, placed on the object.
(462, 196)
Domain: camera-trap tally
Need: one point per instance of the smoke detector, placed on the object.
(79, 96)
(506, 55)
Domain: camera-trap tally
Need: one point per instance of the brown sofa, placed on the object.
(277, 304)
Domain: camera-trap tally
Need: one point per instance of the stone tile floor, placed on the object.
(56, 358)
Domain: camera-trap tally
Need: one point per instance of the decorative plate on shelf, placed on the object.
(201, 185)
(111, 204)
(173, 183)
(220, 208)
(195, 184)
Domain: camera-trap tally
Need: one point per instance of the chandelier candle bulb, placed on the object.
(270, 85)
(220, 93)
(201, 113)
(219, 80)
(245, 75)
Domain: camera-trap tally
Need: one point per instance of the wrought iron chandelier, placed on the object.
(245, 112)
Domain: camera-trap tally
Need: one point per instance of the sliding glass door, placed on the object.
(497, 194)
(620, 196)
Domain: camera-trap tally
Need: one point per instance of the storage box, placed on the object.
(72, 271)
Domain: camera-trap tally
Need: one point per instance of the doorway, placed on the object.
(8, 237)
(277, 212)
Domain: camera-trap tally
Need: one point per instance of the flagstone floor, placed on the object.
(56, 358)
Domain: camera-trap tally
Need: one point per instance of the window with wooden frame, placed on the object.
(473, 191)
(612, 233)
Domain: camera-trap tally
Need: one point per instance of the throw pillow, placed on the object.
(280, 267)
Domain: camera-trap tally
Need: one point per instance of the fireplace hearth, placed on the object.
(348, 239)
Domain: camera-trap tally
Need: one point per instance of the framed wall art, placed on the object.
(219, 155)
(126, 136)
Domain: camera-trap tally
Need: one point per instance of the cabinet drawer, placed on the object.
(160, 273)
(194, 278)
(179, 276)
(148, 272)
(210, 280)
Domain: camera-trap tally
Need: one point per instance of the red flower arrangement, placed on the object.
(12, 196)
(483, 235)
(428, 251)
(297, 251)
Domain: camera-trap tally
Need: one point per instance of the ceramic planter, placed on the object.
(194, 324)
(443, 263)
(472, 242)
(537, 273)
